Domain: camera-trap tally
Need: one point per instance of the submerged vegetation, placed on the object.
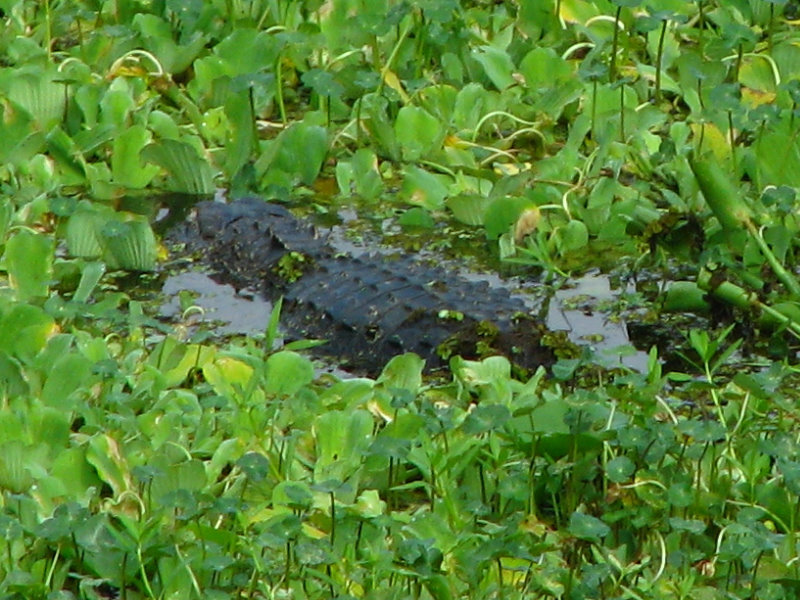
(141, 458)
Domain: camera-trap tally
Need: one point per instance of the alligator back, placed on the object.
(369, 308)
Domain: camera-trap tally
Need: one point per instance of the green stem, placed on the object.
(782, 273)
(622, 113)
(738, 64)
(333, 518)
(769, 28)
(612, 66)
(743, 299)
(390, 61)
(48, 31)
(701, 21)
(279, 89)
(659, 57)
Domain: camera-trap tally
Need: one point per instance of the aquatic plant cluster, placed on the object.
(145, 458)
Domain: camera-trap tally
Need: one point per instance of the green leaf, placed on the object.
(470, 209)
(403, 372)
(587, 527)
(293, 494)
(472, 103)
(29, 261)
(6, 214)
(297, 153)
(360, 174)
(497, 65)
(158, 39)
(680, 494)
(129, 245)
(82, 229)
(77, 477)
(417, 132)
(486, 418)
(502, 213)
(15, 475)
(187, 171)
(248, 50)
(369, 505)
(68, 374)
(126, 167)
(343, 438)
(620, 469)
(572, 236)
(241, 141)
(543, 68)
(287, 372)
(374, 113)
(104, 454)
(424, 188)
(25, 329)
(37, 94)
(185, 476)
(323, 83)
(416, 217)
(691, 525)
(91, 273)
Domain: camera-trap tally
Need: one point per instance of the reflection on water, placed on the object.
(232, 313)
(575, 310)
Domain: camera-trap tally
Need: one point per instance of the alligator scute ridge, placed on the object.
(369, 308)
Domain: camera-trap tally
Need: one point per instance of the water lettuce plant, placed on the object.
(146, 458)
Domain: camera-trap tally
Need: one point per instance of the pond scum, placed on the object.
(150, 458)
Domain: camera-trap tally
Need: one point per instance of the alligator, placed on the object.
(369, 308)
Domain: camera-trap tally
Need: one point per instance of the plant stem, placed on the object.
(659, 57)
(499, 578)
(612, 66)
(769, 28)
(784, 275)
(738, 63)
(333, 519)
(48, 30)
(622, 113)
(594, 108)
(701, 19)
(279, 89)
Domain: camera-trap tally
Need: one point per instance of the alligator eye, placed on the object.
(372, 333)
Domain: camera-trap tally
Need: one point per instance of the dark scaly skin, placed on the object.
(369, 308)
